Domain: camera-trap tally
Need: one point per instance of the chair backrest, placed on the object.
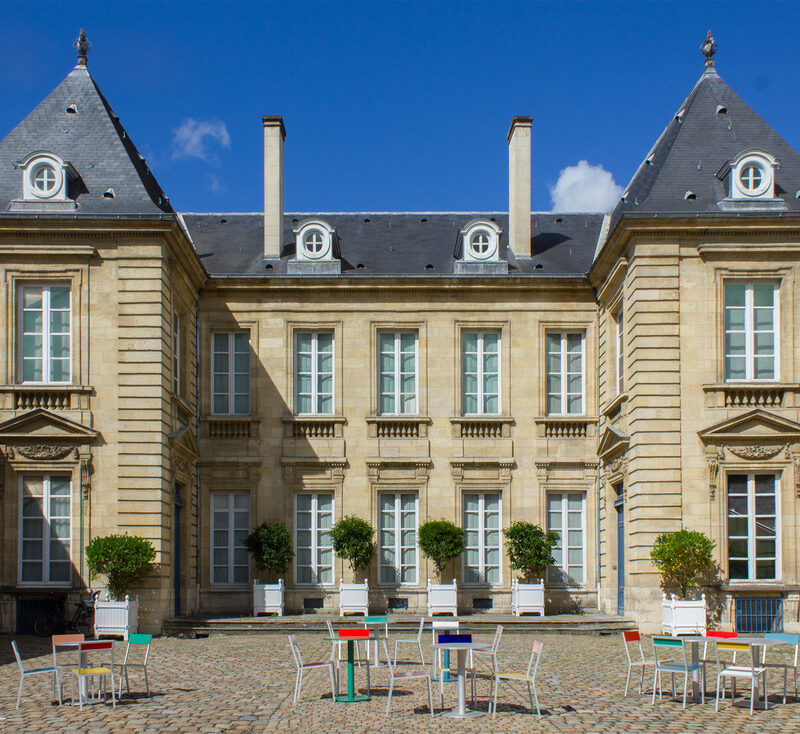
(497, 635)
(298, 658)
(139, 640)
(16, 655)
(788, 638)
(62, 640)
(533, 663)
(668, 644)
(721, 635)
(94, 646)
(629, 637)
(735, 647)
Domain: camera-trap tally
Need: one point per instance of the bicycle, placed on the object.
(83, 617)
(51, 620)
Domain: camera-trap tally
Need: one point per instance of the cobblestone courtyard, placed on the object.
(245, 684)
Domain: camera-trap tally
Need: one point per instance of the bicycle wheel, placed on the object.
(45, 624)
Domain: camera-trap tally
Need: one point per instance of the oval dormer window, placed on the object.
(752, 178)
(481, 245)
(314, 243)
(45, 179)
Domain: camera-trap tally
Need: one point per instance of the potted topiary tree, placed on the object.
(271, 549)
(530, 550)
(351, 539)
(681, 558)
(125, 561)
(441, 541)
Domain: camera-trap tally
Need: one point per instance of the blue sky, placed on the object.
(396, 106)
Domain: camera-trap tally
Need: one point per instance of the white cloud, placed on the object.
(190, 140)
(214, 185)
(584, 188)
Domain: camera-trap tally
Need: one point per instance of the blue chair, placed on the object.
(671, 645)
(37, 671)
(791, 640)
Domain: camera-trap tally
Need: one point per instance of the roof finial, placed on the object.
(708, 49)
(82, 46)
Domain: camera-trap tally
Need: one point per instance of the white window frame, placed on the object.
(558, 574)
(45, 537)
(751, 526)
(315, 547)
(563, 372)
(231, 394)
(231, 511)
(481, 374)
(398, 547)
(749, 330)
(176, 353)
(397, 373)
(315, 372)
(46, 334)
(619, 321)
(482, 545)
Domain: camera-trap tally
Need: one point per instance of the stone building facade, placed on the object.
(186, 377)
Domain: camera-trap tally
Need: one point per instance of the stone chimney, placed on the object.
(274, 135)
(519, 186)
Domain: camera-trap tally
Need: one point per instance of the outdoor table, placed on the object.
(437, 626)
(755, 640)
(384, 620)
(462, 712)
(351, 639)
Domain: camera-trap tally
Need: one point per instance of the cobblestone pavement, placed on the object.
(245, 684)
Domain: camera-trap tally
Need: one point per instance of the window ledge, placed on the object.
(398, 426)
(755, 586)
(565, 426)
(47, 396)
(482, 426)
(229, 426)
(613, 408)
(748, 394)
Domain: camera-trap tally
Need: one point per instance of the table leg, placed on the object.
(445, 672)
(350, 672)
(696, 671)
(462, 712)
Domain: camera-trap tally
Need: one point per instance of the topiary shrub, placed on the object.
(351, 539)
(681, 558)
(271, 548)
(530, 549)
(441, 541)
(125, 560)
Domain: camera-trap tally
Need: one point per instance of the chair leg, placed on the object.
(333, 692)
(494, 698)
(113, 694)
(655, 675)
(366, 662)
(536, 698)
(627, 680)
(395, 652)
(430, 696)
(685, 686)
(19, 693)
(753, 693)
(389, 697)
(785, 676)
(716, 705)
(421, 656)
(297, 684)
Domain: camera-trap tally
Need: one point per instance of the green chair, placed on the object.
(139, 645)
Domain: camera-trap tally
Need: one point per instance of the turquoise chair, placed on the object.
(791, 640)
(140, 646)
(681, 664)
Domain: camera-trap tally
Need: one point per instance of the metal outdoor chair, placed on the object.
(672, 666)
(752, 672)
(141, 648)
(491, 654)
(68, 641)
(412, 640)
(528, 676)
(93, 673)
(636, 658)
(791, 640)
(301, 667)
(32, 671)
(708, 659)
(405, 675)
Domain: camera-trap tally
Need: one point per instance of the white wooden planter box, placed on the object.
(442, 598)
(683, 617)
(527, 598)
(116, 617)
(353, 598)
(268, 598)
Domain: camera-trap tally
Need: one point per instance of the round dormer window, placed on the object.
(753, 178)
(481, 245)
(45, 180)
(314, 244)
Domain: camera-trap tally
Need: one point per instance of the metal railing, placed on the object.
(758, 615)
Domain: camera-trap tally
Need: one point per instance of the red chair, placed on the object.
(633, 640)
(86, 672)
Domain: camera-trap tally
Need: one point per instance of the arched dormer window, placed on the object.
(44, 177)
(750, 176)
(314, 240)
(480, 241)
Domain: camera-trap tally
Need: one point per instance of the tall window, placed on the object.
(312, 538)
(231, 378)
(177, 365)
(753, 536)
(397, 367)
(45, 529)
(398, 537)
(482, 538)
(480, 372)
(619, 323)
(564, 373)
(230, 525)
(566, 515)
(751, 331)
(314, 373)
(46, 352)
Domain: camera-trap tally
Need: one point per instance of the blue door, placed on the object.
(620, 507)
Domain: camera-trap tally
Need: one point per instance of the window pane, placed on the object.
(763, 294)
(765, 505)
(765, 569)
(737, 526)
(734, 294)
(59, 296)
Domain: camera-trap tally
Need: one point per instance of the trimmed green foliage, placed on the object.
(681, 558)
(351, 539)
(125, 560)
(530, 549)
(441, 541)
(271, 548)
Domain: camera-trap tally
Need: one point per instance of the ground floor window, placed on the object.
(45, 529)
(397, 532)
(312, 538)
(753, 536)
(566, 515)
(482, 538)
(230, 525)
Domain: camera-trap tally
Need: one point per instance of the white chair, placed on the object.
(752, 672)
(711, 659)
(63, 644)
(412, 640)
(635, 660)
(139, 641)
(491, 654)
(301, 666)
(86, 672)
(673, 644)
(792, 640)
(33, 671)
(405, 675)
(529, 676)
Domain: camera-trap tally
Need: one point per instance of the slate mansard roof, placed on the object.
(93, 140)
(395, 244)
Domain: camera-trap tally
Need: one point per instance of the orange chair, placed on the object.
(66, 642)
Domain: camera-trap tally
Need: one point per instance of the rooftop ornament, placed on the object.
(82, 46)
(708, 49)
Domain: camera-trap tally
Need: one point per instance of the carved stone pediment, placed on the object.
(184, 451)
(611, 444)
(41, 432)
(752, 433)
